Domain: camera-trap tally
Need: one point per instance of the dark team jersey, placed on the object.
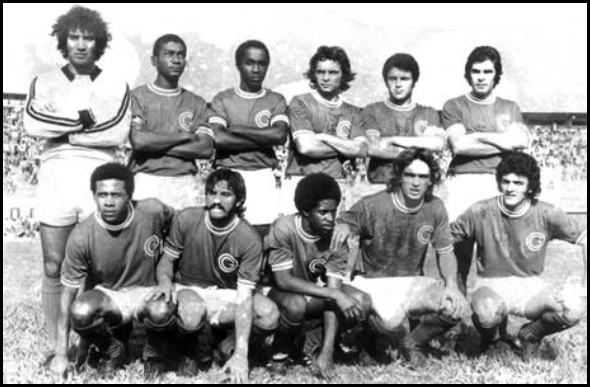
(167, 111)
(118, 256)
(514, 243)
(394, 239)
(308, 257)
(384, 119)
(261, 110)
(493, 116)
(208, 256)
(311, 114)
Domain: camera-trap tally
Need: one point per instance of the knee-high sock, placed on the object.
(464, 251)
(431, 327)
(51, 289)
(161, 339)
(285, 336)
(548, 324)
(487, 335)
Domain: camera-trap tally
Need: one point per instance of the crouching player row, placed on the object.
(215, 259)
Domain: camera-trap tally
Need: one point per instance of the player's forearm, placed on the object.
(226, 140)
(40, 129)
(115, 135)
(330, 321)
(505, 141)
(165, 270)
(347, 148)
(330, 330)
(264, 137)
(63, 327)
(447, 266)
(243, 321)
(41, 118)
(432, 143)
(201, 147)
(471, 145)
(147, 141)
(383, 150)
(289, 283)
(314, 148)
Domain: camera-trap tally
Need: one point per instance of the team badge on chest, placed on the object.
(227, 263)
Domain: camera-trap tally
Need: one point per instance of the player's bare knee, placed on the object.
(386, 326)
(488, 310)
(192, 310)
(52, 268)
(158, 313)
(572, 316)
(84, 311)
(266, 313)
(363, 299)
(294, 308)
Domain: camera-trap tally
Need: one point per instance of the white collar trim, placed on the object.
(221, 231)
(488, 101)
(164, 92)
(246, 95)
(302, 233)
(403, 208)
(408, 108)
(325, 102)
(116, 227)
(514, 214)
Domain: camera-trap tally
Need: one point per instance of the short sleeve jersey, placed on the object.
(394, 239)
(118, 256)
(208, 256)
(514, 243)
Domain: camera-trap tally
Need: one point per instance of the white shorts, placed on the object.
(265, 291)
(464, 190)
(391, 297)
(516, 292)
(216, 300)
(130, 301)
(176, 191)
(288, 194)
(262, 196)
(64, 194)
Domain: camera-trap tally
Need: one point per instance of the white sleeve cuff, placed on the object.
(282, 266)
(280, 117)
(301, 133)
(218, 120)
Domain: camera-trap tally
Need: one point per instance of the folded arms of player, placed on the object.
(487, 143)
(183, 145)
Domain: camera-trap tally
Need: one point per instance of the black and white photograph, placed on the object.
(335, 193)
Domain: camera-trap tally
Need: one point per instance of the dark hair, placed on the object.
(521, 164)
(314, 188)
(336, 54)
(85, 19)
(113, 171)
(481, 54)
(236, 183)
(406, 158)
(162, 40)
(402, 61)
(242, 48)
